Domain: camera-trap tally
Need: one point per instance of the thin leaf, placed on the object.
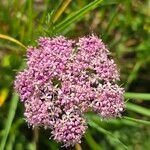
(102, 130)
(11, 114)
(77, 15)
(3, 96)
(61, 10)
(2, 36)
(78, 147)
(116, 121)
(137, 120)
(10, 143)
(91, 142)
(138, 109)
(30, 18)
(137, 96)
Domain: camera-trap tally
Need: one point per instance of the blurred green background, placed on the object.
(124, 25)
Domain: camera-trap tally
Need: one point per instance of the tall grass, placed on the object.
(123, 25)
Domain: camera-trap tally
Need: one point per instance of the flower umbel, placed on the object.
(63, 80)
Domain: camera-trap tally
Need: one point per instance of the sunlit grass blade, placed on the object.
(137, 96)
(2, 36)
(138, 109)
(76, 16)
(78, 147)
(61, 10)
(144, 122)
(3, 96)
(11, 114)
(102, 130)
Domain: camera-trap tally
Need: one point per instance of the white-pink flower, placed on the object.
(63, 80)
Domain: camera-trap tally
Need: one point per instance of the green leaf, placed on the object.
(102, 130)
(6, 37)
(61, 10)
(137, 120)
(76, 16)
(115, 121)
(138, 109)
(30, 18)
(11, 114)
(137, 96)
(91, 142)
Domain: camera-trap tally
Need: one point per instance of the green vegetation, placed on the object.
(124, 25)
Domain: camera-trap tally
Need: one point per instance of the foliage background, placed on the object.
(124, 25)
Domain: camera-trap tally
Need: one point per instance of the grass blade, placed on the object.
(78, 147)
(2, 36)
(30, 18)
(137, 96)
(102, 130)
(11, 114)
(76, 16)
(3, 96)
(138, 109)
(118, 121)
(137, 120)
(91, 142)
(61, 10)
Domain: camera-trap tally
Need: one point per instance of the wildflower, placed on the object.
(63, 80)
(69, 129)
(109, 101)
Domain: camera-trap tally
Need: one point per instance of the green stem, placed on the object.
(11, 115)
(61, 10)
(137, 96)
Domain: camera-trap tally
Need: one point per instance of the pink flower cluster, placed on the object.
(64, 79)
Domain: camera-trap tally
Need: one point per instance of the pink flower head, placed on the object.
(69, 129)
(63, 80)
